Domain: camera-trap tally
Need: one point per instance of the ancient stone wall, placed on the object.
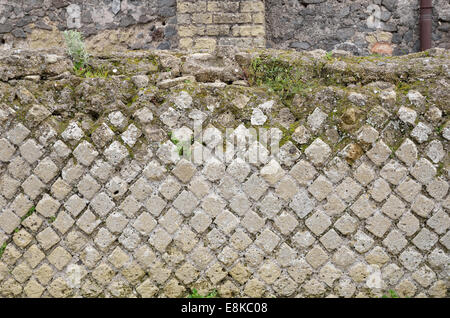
(361, 26)
(119, 184)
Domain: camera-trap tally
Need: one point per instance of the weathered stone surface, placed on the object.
(379, 153)
(320, 188)
(318, 152)
(101, 198)
(378, 225)
(407, 152)
(407, 115)
(421, 132)
(7, 150)
(423, 171)
(272, 172)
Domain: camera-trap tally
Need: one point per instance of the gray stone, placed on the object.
(116, 153)
(301, 135)
(31, 151)
(423, 171)
(425, 239)
(410, 259)
(316, 119)
(379, 153)
(117, 119)
(435, 151)
(72, 132)
(407, 152)
(439, 222)
(258, 118)
(318, 152)
(85, 153)
(407, 115)
(303, 172)
(415, 98)
(141, 81)
(421, 132)
(301, 203)
(131, 135)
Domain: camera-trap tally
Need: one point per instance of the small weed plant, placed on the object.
(89, 72)
(391, 294)
(2, 249)
(276, 74)
(195, 294)
(76, 49)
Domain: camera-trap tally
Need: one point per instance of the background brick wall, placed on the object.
(361, 26)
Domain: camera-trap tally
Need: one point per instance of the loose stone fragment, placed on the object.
(407, 115)
(421, 132)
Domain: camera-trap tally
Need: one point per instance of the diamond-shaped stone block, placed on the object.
(267, 240)
(9, 221)
(116, 153)
(85, 153)
(186, 202)
(320, 188)
(302, 204)
(318, 222)
(184, 170)
(31, 151)
(379, 153)
(6, 150)
(255, 186)
(47, 206)
(102, 204)
(378, 224)
(318, 152)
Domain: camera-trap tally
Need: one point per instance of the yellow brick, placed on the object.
(237, 41)
(205, 43)
(232, 18)
(259, 18)
(186, 43)
(252, 6)
(191, 7)
(248, 30)
(186, 31)
(189, 31)
(236, 30)
(201, 30)
(223, 6)
(245, 30)
(214, 29)
(202, 18)
(183, 18)
(258, 30)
